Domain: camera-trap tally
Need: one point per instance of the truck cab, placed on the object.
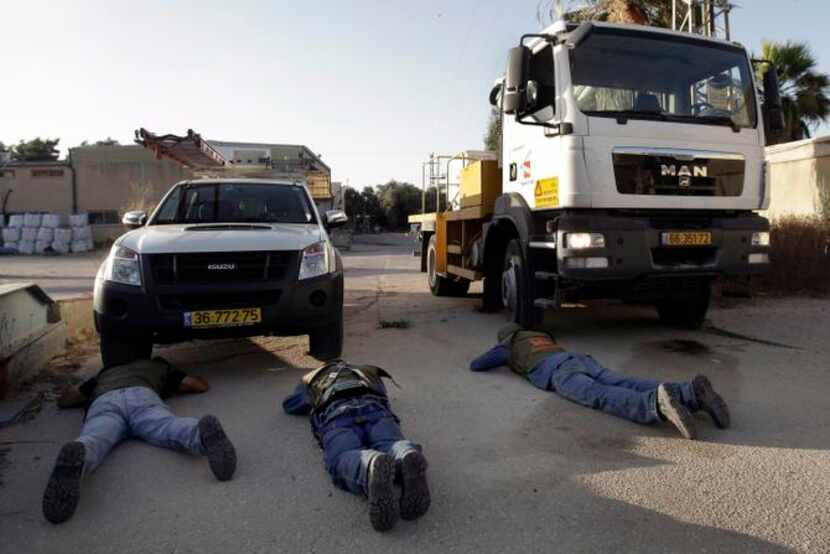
(632, 165)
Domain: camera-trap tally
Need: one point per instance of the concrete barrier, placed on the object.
(31, 333)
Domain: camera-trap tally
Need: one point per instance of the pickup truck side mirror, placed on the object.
(135, 219)
(335, 218)
(514, 99)
(773, 110)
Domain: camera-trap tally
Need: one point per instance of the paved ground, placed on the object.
(513, 469)
(61, 276)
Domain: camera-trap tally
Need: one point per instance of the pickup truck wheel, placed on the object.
(326, 343)
(441, 286)
(688, 312)
(516, 294)
(122, 349)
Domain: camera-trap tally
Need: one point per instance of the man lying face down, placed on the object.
(580, 378)
(124, 401)
(364, 449)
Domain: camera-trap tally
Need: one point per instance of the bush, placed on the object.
(799, 256)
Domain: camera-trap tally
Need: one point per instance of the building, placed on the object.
(36, 187)
(799, 177)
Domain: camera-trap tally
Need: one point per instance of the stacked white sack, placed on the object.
(16, 221)
(29, 234)
(63, 235)
(26, 247)
(32, 220)
(79, 220)
(45, 234)
(84, 245)
(42, 245)
(11, 234)
(60, 247)
(82, 233)
(53, 221)
(10, 245)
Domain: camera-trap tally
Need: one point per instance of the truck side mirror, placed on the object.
(773, 110)
(494, 95)
(134, 219)
(515, 82)
(335, 218)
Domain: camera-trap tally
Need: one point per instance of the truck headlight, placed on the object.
(123, 266)
(760, 239)
(579, 241)
(318, 259)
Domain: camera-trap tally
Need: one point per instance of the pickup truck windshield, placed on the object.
(620, 73)
(236, 203)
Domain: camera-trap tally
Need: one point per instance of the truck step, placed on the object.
(546, 304)
(545, 276)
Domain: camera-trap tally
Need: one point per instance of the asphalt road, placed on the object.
(513, 469)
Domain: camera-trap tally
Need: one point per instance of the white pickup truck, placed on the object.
(222, 258)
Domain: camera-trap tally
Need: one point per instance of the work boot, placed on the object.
(671, 408)
(63, 491)
(415, 499)
(382, 510)
(711, 402)
(219, 450)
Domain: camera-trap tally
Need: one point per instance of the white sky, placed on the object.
(373, 86)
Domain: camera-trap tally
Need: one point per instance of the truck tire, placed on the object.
(688, 312)
(516, 294)
(326, 343)
(441, 286)
(119, 349)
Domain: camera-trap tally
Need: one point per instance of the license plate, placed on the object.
(686, 238)
(223, 318)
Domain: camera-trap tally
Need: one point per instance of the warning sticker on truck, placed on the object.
(547, 193)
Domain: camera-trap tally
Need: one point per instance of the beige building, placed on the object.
(36, 187)
(799, 176)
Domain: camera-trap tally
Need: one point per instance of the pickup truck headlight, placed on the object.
(318, 259)
(123, 267)
(578, 241)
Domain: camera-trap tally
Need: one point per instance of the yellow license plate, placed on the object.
(223, 318)
(687, 238)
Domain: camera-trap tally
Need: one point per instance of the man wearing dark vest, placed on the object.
(125, 401)
(364, 449)
(580, 378)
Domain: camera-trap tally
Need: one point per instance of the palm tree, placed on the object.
(805, 92)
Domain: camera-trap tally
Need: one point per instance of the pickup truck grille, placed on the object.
(664, 175)
(221, 267)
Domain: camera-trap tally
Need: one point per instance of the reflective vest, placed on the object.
(528, 348)
(338, 379)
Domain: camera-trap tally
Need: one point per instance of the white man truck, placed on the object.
(631, 167)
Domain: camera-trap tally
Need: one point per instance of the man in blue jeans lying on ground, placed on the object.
(124, 401)
(364, 449)
(578, 377)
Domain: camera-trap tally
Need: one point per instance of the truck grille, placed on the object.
(663, 174)
(221, 267)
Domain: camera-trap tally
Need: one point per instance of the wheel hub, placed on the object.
(508, 287)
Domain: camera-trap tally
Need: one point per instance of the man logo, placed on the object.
(221, 267)
(684, 171)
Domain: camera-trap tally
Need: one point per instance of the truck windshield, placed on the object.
(236, 203)
(638, 75)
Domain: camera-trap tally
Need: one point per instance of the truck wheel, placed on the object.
(515, 288)
(441, 286)
(121, 349)
(688, 312)
(326, 343)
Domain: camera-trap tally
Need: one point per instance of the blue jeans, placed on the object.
(135, 412)
(352, 432)
(580, 378)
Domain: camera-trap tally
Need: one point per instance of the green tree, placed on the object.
(492, 139)
(36, 150)
(805, 92)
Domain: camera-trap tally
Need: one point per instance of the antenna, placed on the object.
(709, 18)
